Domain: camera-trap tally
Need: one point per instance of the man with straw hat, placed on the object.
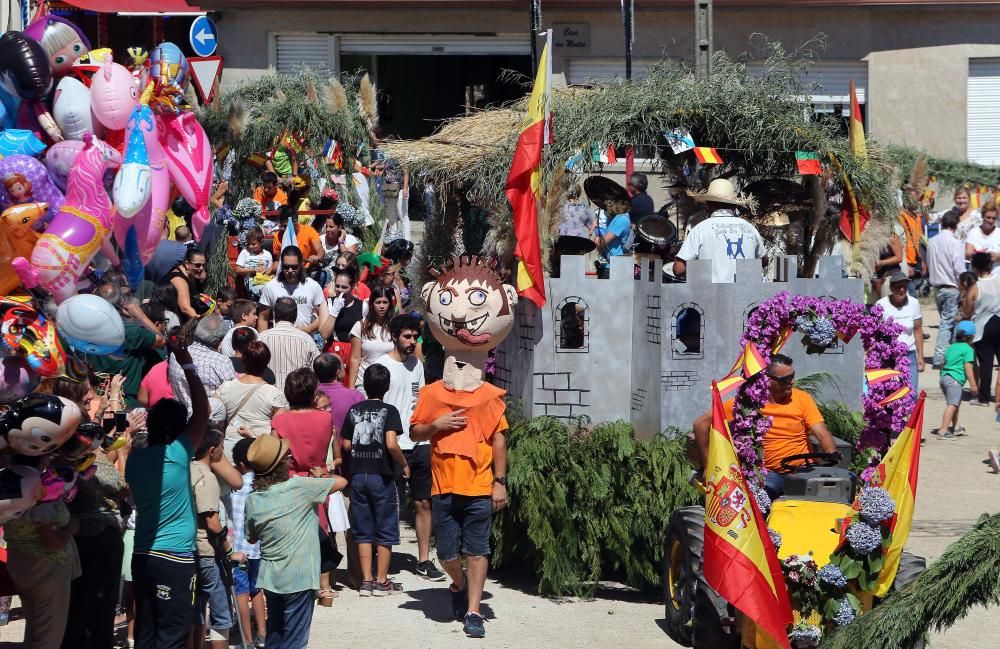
(724, 237)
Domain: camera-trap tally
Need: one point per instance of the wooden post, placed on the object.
(703, 38)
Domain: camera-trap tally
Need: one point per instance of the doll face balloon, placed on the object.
(25, 71)
(24, 179)
(113, 95)
(62, 41)
(468, 307)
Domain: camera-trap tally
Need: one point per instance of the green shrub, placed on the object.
(841, 420)
(588, 503)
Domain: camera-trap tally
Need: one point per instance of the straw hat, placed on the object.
(266, 453)
(722, 190)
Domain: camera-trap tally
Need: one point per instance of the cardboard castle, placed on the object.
(635, 349)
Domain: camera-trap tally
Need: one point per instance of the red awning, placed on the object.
(135, 6)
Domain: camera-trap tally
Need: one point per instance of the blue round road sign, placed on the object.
(203, 36)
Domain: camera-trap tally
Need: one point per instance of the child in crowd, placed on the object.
(245, 553)
(956, 370)
(277, 513)
(370, 431)
(254, 262)
(211, 545)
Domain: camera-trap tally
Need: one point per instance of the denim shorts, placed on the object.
(245, 579)
(212, 591)
(374, 509)
(462, 523)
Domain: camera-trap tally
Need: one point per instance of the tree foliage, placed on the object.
(949, 174)
(589, 503)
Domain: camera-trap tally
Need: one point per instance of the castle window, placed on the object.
(687, 335)
(572, 325)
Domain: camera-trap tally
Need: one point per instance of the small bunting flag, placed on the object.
(750, 361)
(728, 387)
(846, 336)
(808, 163)
(707, 155)
(877, 376)
(612, 156)
(898, 394)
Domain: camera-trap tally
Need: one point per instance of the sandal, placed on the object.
(325, 596)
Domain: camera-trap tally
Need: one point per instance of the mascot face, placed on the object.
(41, 423)
(468, 307)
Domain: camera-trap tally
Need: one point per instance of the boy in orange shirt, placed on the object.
(470, 311)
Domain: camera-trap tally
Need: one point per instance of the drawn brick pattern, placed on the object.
(525, 332)
(501, 374)
(638, 398)
(679, 380)
(653, 319)
(554, 396)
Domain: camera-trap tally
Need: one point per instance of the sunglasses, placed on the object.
(194, 265)
(784, 380)
(290, 267)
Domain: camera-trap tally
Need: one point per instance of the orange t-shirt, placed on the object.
(462, 461)
(280, 197)
(914, 232)
(308, 240)
(789, 434)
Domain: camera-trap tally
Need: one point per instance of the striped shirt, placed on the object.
(237, 519)
(212, 368)
(291, 349)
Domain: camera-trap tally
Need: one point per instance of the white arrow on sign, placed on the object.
(203, 36)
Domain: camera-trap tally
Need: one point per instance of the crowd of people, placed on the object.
(261, 423)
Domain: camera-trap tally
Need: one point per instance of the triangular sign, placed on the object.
(205, 72)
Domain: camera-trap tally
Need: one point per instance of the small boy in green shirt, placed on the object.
(956, 370)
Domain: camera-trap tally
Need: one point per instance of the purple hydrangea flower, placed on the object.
(876, 505)
(804, 324)
(775, 539)
(845, 613)
(831, 575)
(805, 635)
(823, 332)
(763, 500)
(863, 538)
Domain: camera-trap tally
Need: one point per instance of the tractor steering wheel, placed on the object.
(809, 461)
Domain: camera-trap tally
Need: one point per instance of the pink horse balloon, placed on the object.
(189, 160)
(113, 95)
(150, 219)
(78, 231)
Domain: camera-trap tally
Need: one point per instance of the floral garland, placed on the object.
(821, 320)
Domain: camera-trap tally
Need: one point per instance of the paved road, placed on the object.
(955, 488)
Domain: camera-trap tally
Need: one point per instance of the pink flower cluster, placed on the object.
(880, 338)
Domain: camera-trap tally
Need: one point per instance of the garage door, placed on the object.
(308, 49)
(829, 83)
(983, 112)
(582, 71)
(443, 44)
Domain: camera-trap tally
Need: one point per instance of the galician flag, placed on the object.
(739, 561)
(897, 474)
(524, 182)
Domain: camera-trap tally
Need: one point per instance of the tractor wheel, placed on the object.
(910, 567)
(695, 614)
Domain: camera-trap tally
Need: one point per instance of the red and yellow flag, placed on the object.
(897, 474)
(857, 127)
(750, 361)
(524, 183)
(853, 216)
(707, 155)
(728, 386)
(739, 561)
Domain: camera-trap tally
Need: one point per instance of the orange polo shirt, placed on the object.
(789, 434)
(308, 240)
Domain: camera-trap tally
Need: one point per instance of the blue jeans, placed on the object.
(947, 306)
(212, 591)
(374, 509)
(774, 484)
(289, 616)
(461, 525)
(914, 372)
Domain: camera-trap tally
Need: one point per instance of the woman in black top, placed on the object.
(345, 308)
(188, 277)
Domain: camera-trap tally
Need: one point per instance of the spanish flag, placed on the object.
(739, 561)
(853, 216)
(897, 474)
(750, 361)
(857, 127)
(707, 155)
(524, 182)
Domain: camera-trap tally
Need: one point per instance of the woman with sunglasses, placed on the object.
(370, 337)
(188, 277)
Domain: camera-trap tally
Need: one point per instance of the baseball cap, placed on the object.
(966, 328)
(266, 453)
(898, 276)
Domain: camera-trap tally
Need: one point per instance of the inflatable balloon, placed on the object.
(24, 179)
(189, 159)
(90, 324)
(71, 109)
(151, 218)
(113, 95)
(59, 160)
(19, 141)
(17, 239)
(168, 70)
(25, 73)
(16, 379)
(87, 438)
(79, 229)
(20, 490)
(134, 182)
(38, 424)
(28, 334)
(62, 41)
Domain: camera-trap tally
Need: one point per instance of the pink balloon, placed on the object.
(78, 231)
(38, 188)
(149, 221)
(189, 159)
(113, 95)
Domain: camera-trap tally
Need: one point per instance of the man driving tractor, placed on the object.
(794, 418)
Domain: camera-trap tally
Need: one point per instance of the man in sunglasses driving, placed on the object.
(795, 418)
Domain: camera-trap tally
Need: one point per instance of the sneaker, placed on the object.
(460, 601)
(367, 589)
(935, 431)
(429, 571)
(384, 588)
(948, 435)
(976, 402)
(397, 586)
(258, 642)
(473, 626)
(994, 460)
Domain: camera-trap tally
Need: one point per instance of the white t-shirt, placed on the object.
(405, 381)
(904, 317)
(372, 349)
(723, 238)
(308, 295)
(984, 242)
(349, 240)
(259, 262)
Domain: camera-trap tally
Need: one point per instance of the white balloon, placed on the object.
(71, 110)
(90, 324)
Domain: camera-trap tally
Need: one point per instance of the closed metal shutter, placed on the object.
(829, 83)
(584, 70)
(434, 44)
(302, 49)
(983, 112)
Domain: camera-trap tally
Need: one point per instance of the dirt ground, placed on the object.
(954, 490)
